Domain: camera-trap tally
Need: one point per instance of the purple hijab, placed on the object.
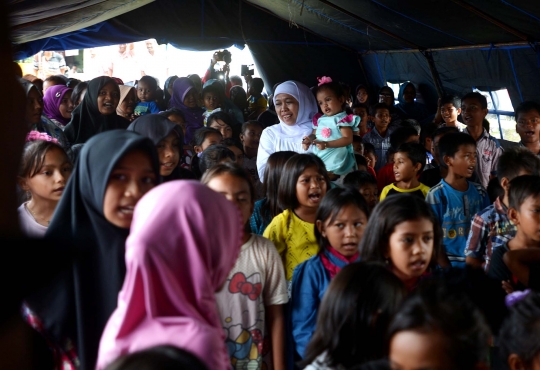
(194, 116)
(51, 103)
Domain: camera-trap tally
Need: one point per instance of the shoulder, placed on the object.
(424, 188)
(435, 193)
(478, 187)
(487, 213)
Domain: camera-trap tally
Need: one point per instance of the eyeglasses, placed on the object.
(529, 122)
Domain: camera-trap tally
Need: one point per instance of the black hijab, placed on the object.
(86, 120)
(79, 303)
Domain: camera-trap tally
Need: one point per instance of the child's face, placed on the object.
(450, 113)
(169, 153)
(358, 147)
(310, 188)
(191, 98)
(472, 112)
(179, 121)
(144, 92)
(362, 96)
(527, 218)
(528, 126)
(236, 190)
(108, 99)
(211, 101)
(387, 97)
(410, 248)
(251, 136)
(382, 119)
(49, 182)
(287, 108)
(370, 194)
(66, 106)
(131, 178)
(404, 170)
(328, 101)
(409, 94)
(345, 232)
(360, 112)
(435, 148)
(34, 107)
(415, 350)
(128, 104)
(371, 158)
(463, 162)
(210, 139)
(239, 155)
(222, 127)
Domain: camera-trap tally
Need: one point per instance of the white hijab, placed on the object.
(307, 108)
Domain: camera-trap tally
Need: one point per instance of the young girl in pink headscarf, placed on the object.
(174, 267)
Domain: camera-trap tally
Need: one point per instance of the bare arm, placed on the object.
(474, 262)
(276, 324)
(347, 139)
(519, 261)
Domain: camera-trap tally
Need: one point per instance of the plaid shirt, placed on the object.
(490, 229)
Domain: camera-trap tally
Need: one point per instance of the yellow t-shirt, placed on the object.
(421, 191)
(294, 239)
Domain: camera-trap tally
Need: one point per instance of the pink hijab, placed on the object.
(184, 240)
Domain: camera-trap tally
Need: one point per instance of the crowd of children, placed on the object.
(345, 236)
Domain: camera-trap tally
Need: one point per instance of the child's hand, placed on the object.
(508, 287)
(306, 142)
(321, 145)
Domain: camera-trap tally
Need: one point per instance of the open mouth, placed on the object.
(350, 246)
(470, 169)
(168, 165)
(126, 210)
(418, 265)
(314, 197)
(59, 190)
(529, 133)
(286, 117)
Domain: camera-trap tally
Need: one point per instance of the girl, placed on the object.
(212, 100)
(341, 219)
(334, 130)
(353, 317)
(127, 102)
(43, 174)
(256, 314)
(362, 95)
(215, 154)
(405, 234)
(185, 98)
(202, 139)
(222, 122)
(168, 139)
(114, 170)
(176, 116)
(57, 105)
(268, 207)
(97, 111)
(174, 267)
(302, 187)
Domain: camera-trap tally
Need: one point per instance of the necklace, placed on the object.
(35, 216)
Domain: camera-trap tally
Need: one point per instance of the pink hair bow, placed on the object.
(36, 135)
(324, 80)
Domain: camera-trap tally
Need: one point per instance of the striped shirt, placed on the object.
(488, 150)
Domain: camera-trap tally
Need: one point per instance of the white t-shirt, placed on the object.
(29, 225)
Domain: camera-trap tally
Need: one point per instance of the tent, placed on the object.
(443, 46)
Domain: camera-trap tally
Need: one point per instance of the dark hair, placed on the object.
(72, 82)
(238, 97)
(415, 152)
(516, 159)
(333, 86)
(213, 155)
(216, 89)
(520, 332)
(150, 81)
(354, 315)
(173, 112)
(525, 107)
(370, 148)
(271, 180)
(443, 131)
(232, 142)
(410, 122)
(224, 116)
(361, 105)
(57, 80)
(450, 143)
(164, 357)
(358, 179)
(78, 91)
(360, 160)
(379, 106)
(451, 99)
(257, 84)
(246, 124)
(400, 136)
(200, 135)
(333, 202)
(386, 216)
(521, 188)
(291, 172)
(494, 189)
(357, 139)
(476, 95)
(33, 157)
(356, 94)
(451, 314)
(237, 79)
(427, 131)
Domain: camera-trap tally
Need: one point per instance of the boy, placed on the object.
(432, 176)
(450, 109)
(409, 161)
(379, 136)
(357, 145)
(146, 89)
(426, 139)
(370, 155)
(212, 100)
(528, 125)
(366, 184)
(474, 110)
(524, 201)
(257, 103)
(491, 228)
(249, 137)
(455, 200)
(362, 110)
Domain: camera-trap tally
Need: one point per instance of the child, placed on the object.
(358, 146)
(353, 317)
(519, 344)
(491, 228)
(212, 101)
(524, 200)
(174, 267)
(268, 207)
(250, 317)
(146, 90)
(302, 187)
(488, 149)
(366, 184)
(334, 130)
(249, 137)
(177, 116)
(450, 109)
(409, 161)
(439, 329)
(432, 176)
(426, 139)
(528, 125)
(404, 233)
(341, 220)
(362, 110)
(213, 155)
(455, 200)
(222, 122)
(256, 101)
(202, 139)
(379, 136)
(234, 147)
(127, 102)
(370, 154)
(114, 170)
(57, 105)
(44, 171)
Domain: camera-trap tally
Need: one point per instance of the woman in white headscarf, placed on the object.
(295, 107)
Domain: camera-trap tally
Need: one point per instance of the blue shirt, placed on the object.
(455, 210)
(146, 108)
(381, 144)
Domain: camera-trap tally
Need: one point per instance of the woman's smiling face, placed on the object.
(287, 108)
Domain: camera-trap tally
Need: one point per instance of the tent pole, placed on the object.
(434, 73)
(454, 48)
